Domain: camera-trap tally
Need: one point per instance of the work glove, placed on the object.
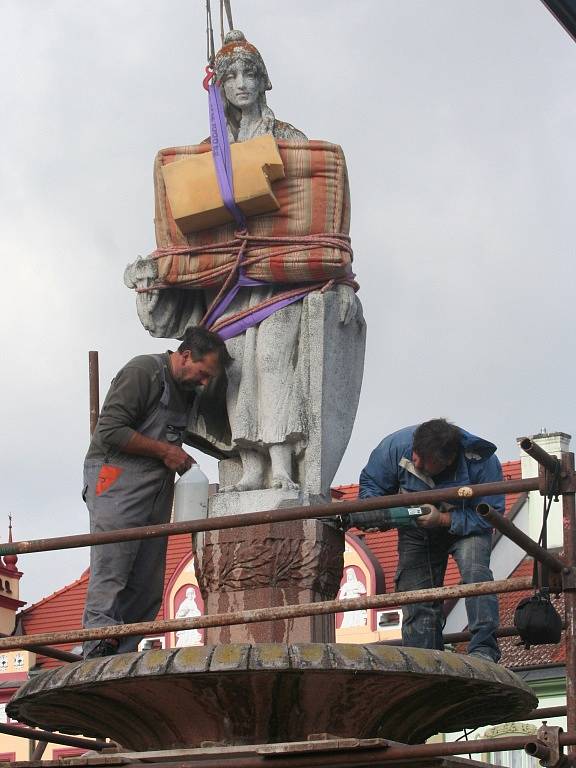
(432, 517)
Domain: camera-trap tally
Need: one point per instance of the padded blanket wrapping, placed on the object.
(314, 199)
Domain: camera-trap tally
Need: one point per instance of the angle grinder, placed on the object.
(384, 519)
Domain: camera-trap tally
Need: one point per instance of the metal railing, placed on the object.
(556, 476)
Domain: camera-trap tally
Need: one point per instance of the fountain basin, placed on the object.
(267, 693)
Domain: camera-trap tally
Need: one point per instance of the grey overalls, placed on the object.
(125, 491)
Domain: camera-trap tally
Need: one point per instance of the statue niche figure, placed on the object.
(188, 609)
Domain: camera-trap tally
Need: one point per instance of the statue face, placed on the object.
(241, 84)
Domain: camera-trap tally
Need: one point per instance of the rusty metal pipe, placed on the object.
(445, 749)
(545, 459)
(39, 750)
(55, 738)
(363, 758)
(268, 516)
(543, 713)
(94, 383)
(569, 528)
(538, 749)
(518, 537)
(270, 614)
(51, 653)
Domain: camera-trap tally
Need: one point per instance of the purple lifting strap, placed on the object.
(239, 326)
(242, 282)
(221, 153)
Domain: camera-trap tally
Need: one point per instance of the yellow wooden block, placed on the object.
(193, 192)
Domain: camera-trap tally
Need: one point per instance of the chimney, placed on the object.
(554, 443)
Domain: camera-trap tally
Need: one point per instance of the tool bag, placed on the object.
(537, 621)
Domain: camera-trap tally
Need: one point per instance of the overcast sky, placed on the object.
(458, 120)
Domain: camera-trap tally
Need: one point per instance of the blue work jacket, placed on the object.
(390, 470)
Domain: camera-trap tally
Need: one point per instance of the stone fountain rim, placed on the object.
(369, 658)
(112, 709)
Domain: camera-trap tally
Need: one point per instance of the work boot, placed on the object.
(106, 647)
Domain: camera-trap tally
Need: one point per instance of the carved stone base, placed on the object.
(292, 563)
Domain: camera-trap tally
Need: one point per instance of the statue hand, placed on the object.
(348, 303)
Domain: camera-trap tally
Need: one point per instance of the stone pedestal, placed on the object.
(261, 566)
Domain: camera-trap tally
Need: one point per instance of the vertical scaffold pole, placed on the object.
(94, 378)
(569, 524)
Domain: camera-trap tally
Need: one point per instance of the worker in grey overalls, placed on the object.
(129, 473)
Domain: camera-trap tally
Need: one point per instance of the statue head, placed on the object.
(237, 49)
(242, 75)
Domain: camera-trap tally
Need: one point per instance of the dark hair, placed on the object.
(200, 342)
(437, 438)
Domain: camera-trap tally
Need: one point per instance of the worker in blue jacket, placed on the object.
(437, 454)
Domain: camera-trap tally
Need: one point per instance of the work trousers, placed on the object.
(423, 557)
(126, 578)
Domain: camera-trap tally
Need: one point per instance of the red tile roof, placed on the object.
(511, 470)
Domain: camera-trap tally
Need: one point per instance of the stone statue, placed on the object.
(188, 609)
(351, 588)
(294, 383)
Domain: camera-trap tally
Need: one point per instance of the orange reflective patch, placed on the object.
(107, 477)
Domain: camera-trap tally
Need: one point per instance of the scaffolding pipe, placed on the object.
(269, 516)
(520, 538)
(276, 613)
(35, 734)
(539, 750)
(542, 714)
(93, 376)
(360, 756)
(545, 459)
(39, 750)
(51, 653)
(569, 583)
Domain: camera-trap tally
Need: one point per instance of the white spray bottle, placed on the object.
(191, 495)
